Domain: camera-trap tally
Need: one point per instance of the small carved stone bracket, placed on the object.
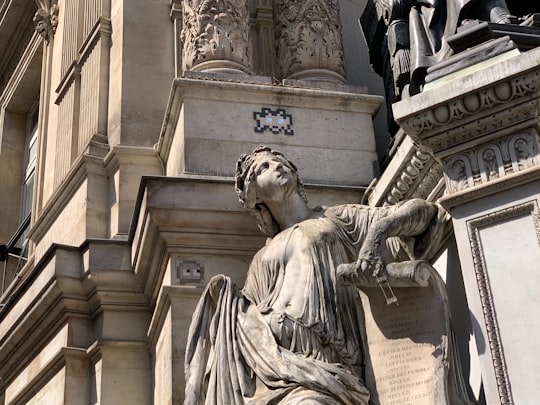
(186, 271)
(46, 19)
(417, 178)
(484, 288)
(492, 161)
(275, 121)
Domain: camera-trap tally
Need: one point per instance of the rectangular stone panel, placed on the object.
(506, 252)
(409, 349)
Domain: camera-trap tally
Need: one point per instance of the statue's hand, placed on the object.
(370, 258)
(364, 267)
(371, 266)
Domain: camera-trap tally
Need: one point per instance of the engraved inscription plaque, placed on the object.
(408, 352)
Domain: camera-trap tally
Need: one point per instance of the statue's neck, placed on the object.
(290, 211)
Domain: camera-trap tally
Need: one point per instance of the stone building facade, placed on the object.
(120, 123)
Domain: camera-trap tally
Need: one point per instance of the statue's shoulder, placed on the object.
(344, 209)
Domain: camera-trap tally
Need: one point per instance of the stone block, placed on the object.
(296, 120)
(410, 352)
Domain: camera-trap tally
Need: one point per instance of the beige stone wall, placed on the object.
(71, 221)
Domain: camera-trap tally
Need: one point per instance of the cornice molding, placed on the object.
(479, 111)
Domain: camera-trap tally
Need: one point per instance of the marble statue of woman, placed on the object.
(293, 333)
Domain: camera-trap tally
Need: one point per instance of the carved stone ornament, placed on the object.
(492, 161)
(46, 19)
(430, 126)
(308, 38)
(416, 179)
(215, 36)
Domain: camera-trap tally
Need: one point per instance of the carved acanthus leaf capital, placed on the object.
(308, 37)
(46, 19)
(215, 35)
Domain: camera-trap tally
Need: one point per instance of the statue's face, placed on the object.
(274, 180)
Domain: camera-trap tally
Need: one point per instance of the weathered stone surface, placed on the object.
(308, 38)
(294, 332)
(481, 124)
(249, 112)
(410, 358)
(215, 36)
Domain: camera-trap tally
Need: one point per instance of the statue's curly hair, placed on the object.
(245, 189)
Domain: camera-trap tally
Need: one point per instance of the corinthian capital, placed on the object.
(308, 37)
(215, 35)
(46, 18)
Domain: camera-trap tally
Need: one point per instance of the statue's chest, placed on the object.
(301, 243)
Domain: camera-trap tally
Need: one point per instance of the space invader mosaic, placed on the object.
(187, 270)
(275, 121)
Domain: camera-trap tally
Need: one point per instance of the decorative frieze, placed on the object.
(482, 135)
(411, 173)
(215, 36)
(474, 115)
(308, 39)
(492, 161)
(406, 183)
(477, 128)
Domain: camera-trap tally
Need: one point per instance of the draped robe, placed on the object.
(242, 351)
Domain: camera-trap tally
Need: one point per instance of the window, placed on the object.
(14, 253)
(29, 170)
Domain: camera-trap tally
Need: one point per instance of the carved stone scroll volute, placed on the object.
(215, 36)
(308, 38)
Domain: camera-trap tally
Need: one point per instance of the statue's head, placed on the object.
(247, 190)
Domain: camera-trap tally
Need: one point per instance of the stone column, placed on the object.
(215, 36)
(482, 125)
(308, 39)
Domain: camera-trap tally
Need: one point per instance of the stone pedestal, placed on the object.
(482, 125)
(212, 119)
